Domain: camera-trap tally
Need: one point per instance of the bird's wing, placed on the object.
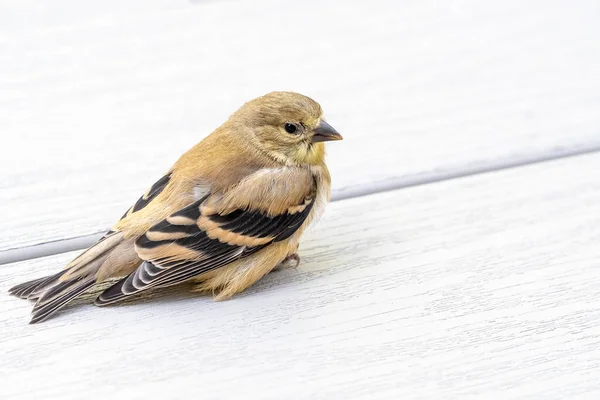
(214, 231)
(157, 188)
(150, 195)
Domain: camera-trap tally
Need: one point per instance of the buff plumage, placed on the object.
(229, 211)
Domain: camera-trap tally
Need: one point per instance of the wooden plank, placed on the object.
(97, 102)
(483, 287)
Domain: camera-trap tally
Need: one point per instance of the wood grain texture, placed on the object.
(482, 287)
(97, 101)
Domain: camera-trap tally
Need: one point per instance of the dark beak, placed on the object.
(325, 133)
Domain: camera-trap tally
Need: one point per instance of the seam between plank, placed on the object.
(82, 242)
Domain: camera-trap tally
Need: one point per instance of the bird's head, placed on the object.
(287, 127)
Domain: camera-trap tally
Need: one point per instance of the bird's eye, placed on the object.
(290, 128)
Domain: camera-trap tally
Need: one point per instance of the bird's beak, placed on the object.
(325, 133)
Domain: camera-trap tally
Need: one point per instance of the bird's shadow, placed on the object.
(178, 293)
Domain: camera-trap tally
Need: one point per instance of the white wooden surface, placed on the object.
(98, 99)
(482, 287)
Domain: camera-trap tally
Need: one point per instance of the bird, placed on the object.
(229, 211)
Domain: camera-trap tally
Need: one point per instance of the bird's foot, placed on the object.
(291, 261)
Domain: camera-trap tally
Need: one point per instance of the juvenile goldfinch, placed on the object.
(228, 212)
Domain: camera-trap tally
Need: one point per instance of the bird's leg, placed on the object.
(291, 261)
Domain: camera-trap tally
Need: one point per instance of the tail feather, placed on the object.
(24, 289)
(55, 291)
(57, 296)
(93, 256)
(32, 289)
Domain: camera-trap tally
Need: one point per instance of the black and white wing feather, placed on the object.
(198, 239)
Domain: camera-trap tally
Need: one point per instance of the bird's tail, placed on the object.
(55, 291)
